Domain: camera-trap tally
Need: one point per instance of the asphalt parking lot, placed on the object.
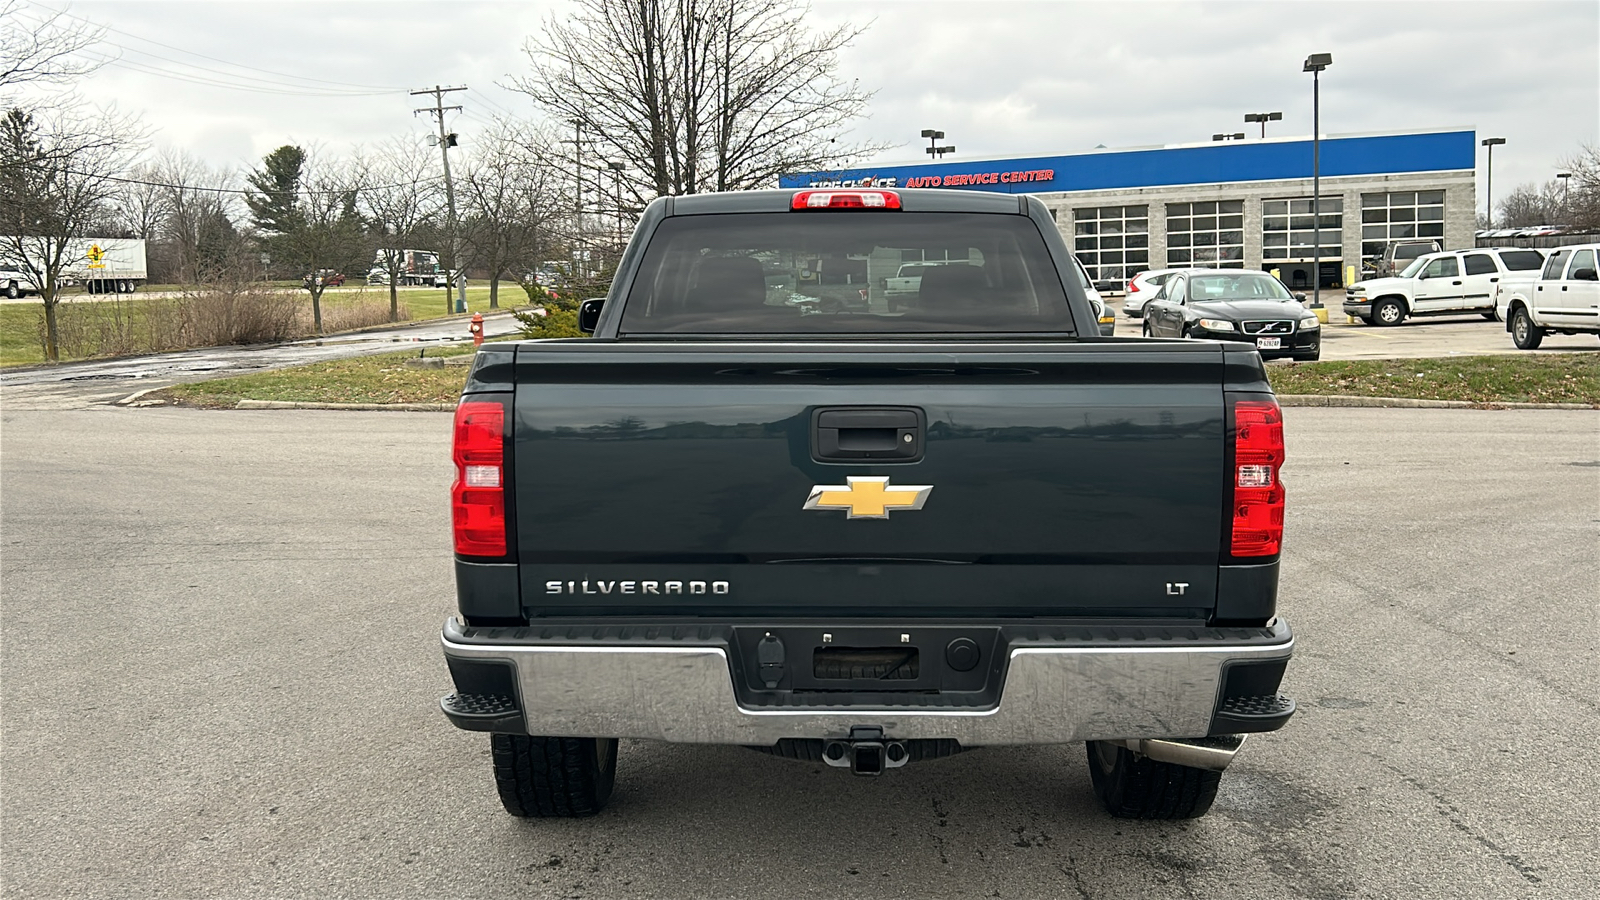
(1470, 335)
(220, 670)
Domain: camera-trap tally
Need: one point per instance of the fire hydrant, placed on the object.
(477, 330)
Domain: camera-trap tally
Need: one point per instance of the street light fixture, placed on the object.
(1315, 63)
(1488, 188)
(1237, 136)
(934, 150)
(1264, 118)
(1563, 176)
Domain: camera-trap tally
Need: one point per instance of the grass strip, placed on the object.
(366, 379)
(1507, 378)
(1485, 380)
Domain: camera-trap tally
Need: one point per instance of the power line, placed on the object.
(364, 87)
(242, 191)
(147, 69)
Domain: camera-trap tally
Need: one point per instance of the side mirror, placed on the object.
(589, 314)
(1584, 275)
(1299, 296)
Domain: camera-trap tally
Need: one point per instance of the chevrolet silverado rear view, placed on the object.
(788, 498)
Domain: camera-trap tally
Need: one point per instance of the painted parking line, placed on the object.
(1381, 337)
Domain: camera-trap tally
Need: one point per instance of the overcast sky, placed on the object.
(1001, 79)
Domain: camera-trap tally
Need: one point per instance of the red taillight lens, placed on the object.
(1257, 491)
(478, 498)
(1133, 287)
(845, 200)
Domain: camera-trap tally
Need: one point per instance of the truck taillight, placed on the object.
(845, 200)
(477, 499)
(1257, 491)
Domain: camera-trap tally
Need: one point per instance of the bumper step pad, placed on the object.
(483, 712)
(1238, 715)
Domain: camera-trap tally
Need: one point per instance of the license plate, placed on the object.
(1269, 343)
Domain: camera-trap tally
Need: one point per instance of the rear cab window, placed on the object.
(1522, 260)
(1553, 266)
(827, 273)
(1480, 264)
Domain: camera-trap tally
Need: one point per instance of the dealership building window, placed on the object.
(1288, 231)
(1205, 235)
(1398, 216)
(1112, 242)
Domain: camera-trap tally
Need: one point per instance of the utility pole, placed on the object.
(446, 141)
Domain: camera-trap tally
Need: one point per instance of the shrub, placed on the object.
(555, 323)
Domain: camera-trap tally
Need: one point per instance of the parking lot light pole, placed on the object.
(1563, 177)
(1488, 188)
(1236, 136)
(1263, 118)
(934, 150)
(617, 169)
(1315, 63)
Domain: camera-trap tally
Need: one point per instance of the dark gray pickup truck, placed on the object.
(765, 506)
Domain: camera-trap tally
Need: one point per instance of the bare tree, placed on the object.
(697, 95)
(511, 202)
(56, 176)
(47, 49)
(1580, 201)
(199, 216)
(1529, 204)
(141, 203)
(400, 203)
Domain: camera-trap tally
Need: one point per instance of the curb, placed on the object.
(1344, 400)
(134, 397)
(367, 407)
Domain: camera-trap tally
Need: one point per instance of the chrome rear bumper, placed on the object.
(1165, 684)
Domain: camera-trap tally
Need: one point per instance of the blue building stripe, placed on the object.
(1222, 162)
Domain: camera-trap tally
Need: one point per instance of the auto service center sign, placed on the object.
(990, 179)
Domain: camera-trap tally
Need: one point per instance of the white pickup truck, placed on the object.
(1562, 298)
(1440, 284)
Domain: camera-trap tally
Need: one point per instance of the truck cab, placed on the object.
(1562, 298)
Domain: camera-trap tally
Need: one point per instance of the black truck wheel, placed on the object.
(1525, 334)
(1137, 787)
(553, 777)
(12, 291)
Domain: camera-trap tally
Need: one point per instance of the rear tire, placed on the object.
(1388, 311)
(12, 291)
(1144, 329)
(553, 777)
(1137, 787)
(1524, 333)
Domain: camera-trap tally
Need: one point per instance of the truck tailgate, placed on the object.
(1067, 478)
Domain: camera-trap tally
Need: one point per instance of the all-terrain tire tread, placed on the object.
(549, 777)
(1143, 788)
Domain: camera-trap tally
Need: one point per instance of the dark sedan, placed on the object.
(1235, 305)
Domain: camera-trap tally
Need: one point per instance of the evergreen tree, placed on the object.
(275, 210)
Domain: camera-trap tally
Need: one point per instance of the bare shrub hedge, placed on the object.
(210, 316)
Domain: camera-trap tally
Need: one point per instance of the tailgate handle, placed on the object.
(867, 433)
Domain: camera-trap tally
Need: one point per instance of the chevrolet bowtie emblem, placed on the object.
(868, 497)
